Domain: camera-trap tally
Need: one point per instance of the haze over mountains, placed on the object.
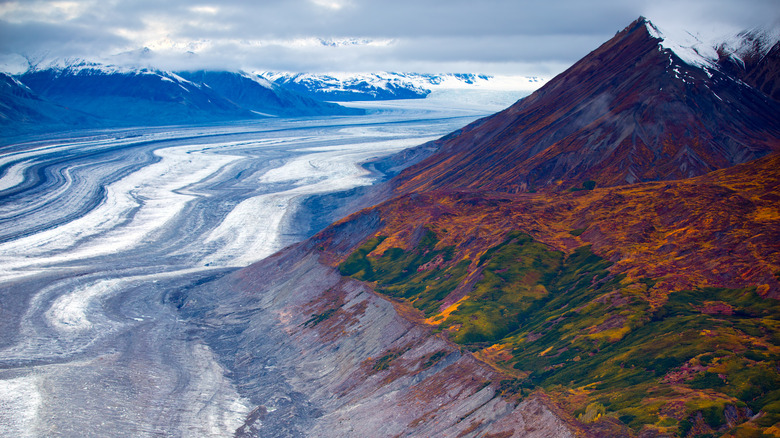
(583, 246)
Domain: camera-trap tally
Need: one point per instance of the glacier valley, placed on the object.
(99, 228)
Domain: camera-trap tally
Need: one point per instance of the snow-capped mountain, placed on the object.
(388, 85)
(96, 94)
(754, 57)
(130, 96)
(642, 107)
(261, 96)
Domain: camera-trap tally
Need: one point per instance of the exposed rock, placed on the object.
(323, 378)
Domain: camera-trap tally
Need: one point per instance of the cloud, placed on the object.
(490, 36)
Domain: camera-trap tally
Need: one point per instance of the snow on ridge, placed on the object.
(341, 81)
(263, 82)
(687, 46)
(754, 42)
(78, 65)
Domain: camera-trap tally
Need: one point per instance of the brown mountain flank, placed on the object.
(627, 112)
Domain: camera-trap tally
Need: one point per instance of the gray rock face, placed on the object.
(321, 355)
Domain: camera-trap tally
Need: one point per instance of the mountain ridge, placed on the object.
(392, 85)
(593, 108)
(85, 94)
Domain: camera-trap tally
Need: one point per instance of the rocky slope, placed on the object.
(592, 261)
(321, 355)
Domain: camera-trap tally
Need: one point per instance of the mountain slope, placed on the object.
(629, 111)
(131, 96)
(128, 96)
(649, 305)
(323, 356)
(257, 94)
(20, 106)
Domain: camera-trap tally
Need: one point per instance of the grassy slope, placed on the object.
(651, 306)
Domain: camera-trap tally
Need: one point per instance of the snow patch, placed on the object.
(688, 47)
(756, 42)
(258, 79)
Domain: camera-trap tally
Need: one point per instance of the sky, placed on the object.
(500, 37)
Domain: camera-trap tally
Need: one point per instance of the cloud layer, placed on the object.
(528, 37)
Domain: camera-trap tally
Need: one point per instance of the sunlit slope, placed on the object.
(651, 305)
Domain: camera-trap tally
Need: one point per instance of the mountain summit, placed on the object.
(638, 108)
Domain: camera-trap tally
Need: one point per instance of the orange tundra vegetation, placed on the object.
(650, 306)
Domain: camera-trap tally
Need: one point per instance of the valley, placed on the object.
(598, 259)
(101, 230)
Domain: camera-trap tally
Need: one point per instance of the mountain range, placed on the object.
(75, 94)
(85, 94)
(599, 259)
(389, 85)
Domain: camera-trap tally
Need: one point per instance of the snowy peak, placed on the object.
(750, 56)
(392, 85)
(749, 45)
(753, 57)
(79, 66)
(688, 47)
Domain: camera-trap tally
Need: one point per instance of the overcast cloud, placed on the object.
(526, 37)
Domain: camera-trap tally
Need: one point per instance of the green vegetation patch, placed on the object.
(719, 341)
(515, 276)
(424, 275)
(573, 326)
(318, 318)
